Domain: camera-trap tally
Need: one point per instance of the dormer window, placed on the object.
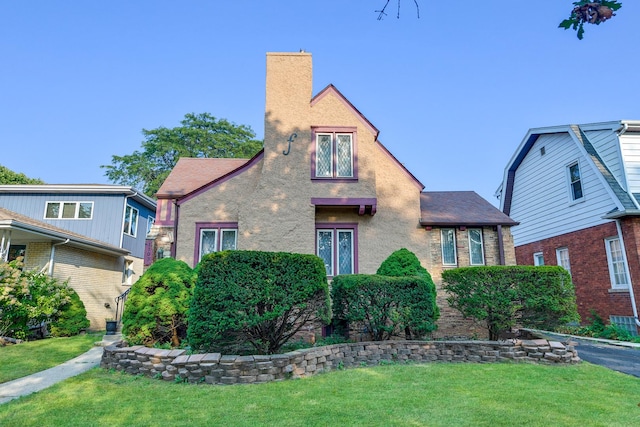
(334, 154)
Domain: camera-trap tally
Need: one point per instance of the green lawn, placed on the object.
(24, 359)
(410, 395)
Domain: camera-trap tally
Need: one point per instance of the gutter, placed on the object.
(53, 252)
(626, 269)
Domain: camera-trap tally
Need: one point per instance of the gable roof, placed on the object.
(459, 208)
(25, 228)
(189, 174)
(627, 204)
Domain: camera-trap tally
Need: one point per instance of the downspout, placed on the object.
(53, 252)
(174, 244)
(623, 129)
(4, 249)
(500, 246)
(124, 212)
(626, 269)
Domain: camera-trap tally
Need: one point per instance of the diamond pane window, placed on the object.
(228, 240)
(345, 252)
(325, 249)
(324, 156)
(208, 240)
(344, 156)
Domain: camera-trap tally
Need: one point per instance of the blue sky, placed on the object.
(453, 93)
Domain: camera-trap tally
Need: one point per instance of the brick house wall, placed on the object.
(589, 267)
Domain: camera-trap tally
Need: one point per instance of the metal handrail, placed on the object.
(120, 309)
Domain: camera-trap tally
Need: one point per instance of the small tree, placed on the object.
(156, 310)
(257, 298)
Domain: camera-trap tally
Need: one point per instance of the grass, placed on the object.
(407, 395)
(24, 359)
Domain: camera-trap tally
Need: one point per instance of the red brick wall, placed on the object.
(589, 266)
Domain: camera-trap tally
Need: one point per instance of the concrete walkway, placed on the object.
(43, 379)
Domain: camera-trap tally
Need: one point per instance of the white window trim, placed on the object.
(481, 246)
(128, 232)
(150, 221)
(127, 274)
(536, 257)
(335, 256)
(573, 201)
(61, 203)
(455, 251)
(218, 239)
(559, 258)
(612, 277)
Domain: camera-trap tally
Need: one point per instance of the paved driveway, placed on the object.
(619, 358)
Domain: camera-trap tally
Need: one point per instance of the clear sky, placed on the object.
(453, 93)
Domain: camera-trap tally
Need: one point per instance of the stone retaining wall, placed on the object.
(214, 368)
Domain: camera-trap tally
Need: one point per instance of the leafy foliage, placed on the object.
(157, 307)
(7, 176)
(200, 135)
(538, 297)
(589, 12)
(256, 298)
(72, 318)
(386, 305)
(28, 299)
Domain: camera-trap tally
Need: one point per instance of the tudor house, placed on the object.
(91, 235)
(324, 184)
(575, 191)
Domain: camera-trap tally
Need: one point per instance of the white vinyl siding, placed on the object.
(617, 264)
(630, 147)
(540, 200)
(606, 144)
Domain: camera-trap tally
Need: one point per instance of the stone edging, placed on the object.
(214, 368)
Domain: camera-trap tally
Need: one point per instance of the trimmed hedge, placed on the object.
(503, 296)
(386, 305)
(256, 298)
(156, 309)
(403, 263)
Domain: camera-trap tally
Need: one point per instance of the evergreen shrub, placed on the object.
(504, 296)
(156, 309)
(256, 299)
(71, 319)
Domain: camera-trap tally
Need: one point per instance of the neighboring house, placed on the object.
(574, 190)
(324, 184)
(92, 235)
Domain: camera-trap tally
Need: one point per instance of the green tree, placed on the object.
(7, 176)
(257, 299)
(199, 135)
(583, 12)
(157, 307)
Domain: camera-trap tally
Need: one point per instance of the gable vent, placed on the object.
(542, 151)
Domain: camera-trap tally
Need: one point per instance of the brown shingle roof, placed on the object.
(456, 208)
(189, 174)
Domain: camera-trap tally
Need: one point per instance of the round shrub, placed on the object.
(71, 320)
(157, 306)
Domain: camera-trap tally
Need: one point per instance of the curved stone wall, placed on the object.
(214, 368)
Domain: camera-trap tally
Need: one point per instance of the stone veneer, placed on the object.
(214, 368)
